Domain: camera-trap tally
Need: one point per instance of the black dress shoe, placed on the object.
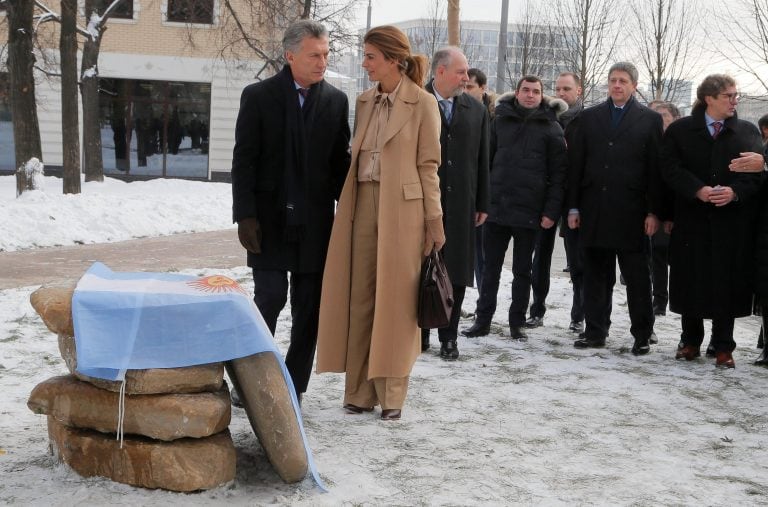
(354, 409)
(585, 342)
(477, 329)
(576, 327)
(449, 351)
(424, 343)
(710, 350)
(391, 414)
(762, 360)
(534, 322)
(518, 334)
(659, 310)
(641, 346)
(653, 339)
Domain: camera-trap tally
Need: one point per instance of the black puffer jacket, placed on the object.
(528, 163)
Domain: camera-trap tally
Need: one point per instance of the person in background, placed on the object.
(290, 159)
(659, 242)
(463, 181)
(711, 247)
(527, 173)
(388, 220)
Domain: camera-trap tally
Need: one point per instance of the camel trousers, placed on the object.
(389, 392)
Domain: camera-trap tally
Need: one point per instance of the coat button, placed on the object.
(605, 166)
(449, 136)
(605, 188)
(448, 188)
(610, 143)
(449, 163)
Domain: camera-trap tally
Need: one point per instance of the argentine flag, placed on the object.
(162, 320)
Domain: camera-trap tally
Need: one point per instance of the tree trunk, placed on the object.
(89, 89)
(454, 30)
(21, 61)
(69, 100)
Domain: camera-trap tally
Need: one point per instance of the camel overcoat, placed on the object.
(409, 194)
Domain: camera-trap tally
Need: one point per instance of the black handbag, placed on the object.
(435, 293)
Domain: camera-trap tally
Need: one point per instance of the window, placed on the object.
(190, 11)
(123, 10)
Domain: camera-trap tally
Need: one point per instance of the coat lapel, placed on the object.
(631, 116)
(365, 103)
(407, 97)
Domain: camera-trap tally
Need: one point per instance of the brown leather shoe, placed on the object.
(391, 414)
(724, 360)
(688, 352)
(354, 409)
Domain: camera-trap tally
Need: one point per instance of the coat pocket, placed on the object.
(412, 191)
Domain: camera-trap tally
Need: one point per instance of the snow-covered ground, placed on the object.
(535, 423)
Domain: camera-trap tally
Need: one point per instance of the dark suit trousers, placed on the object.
(270, 296)
(599, 279)
(660, 270)
(452, 331)
(496, 240)
(575, 263)
(722, 332)
(542, 263)
(479, 257)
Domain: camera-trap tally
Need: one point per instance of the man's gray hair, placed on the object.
(625, 67)
(443, 56)
(296, 33)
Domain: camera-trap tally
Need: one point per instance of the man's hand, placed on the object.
(720, 196)
(748, 162)
(249, 233)
(434, 237)
(668, 226)
(546, 222)
(480, 218)
(574, 220)
(651, 224)
(703, 193)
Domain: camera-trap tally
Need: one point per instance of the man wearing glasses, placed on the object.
(711, 247)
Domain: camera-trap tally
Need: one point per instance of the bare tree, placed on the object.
(454, 28)
(21, 61)
(531, 48)
(664, 38)
(70, 123)
(744, 36)
(589, 34)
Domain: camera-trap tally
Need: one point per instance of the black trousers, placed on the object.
(270, 296)
(496, 240)
(599, 279)
(576, 268)
(479, 257)
(452, 331)
(660, 272)
(542, 263)
(722, 332)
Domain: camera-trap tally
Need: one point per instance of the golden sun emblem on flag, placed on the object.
(216, 283)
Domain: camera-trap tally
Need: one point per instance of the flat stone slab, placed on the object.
(53, 303)
(188, 464)
(190, 379)
(159, 416)
(267, 401)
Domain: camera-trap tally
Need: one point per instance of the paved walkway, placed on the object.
(217, 249)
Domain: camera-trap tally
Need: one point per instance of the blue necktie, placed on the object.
(446, 105)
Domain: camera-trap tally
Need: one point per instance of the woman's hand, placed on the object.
(434, 236)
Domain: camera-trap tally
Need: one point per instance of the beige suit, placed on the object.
(408, 195)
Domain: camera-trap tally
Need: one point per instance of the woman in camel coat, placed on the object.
(387, 220)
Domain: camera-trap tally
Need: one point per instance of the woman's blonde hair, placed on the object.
(394, 45)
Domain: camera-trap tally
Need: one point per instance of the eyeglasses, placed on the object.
(732, 97)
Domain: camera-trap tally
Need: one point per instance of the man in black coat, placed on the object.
(527, 174)
(711, 247)
(290, 159)
(463, 176)
(614, 197)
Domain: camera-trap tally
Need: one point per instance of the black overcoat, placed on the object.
(711, 248)
(259, 163)
(613, 175)
(528, 163)
(464, 185)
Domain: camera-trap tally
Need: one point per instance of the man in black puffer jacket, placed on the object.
(527, 175)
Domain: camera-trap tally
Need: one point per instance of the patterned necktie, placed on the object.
(446, 105)
(304, 92)
(717, 127)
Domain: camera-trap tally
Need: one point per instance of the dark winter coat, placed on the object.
(711, 248)
(464, 187)
(528, 163)
(261, 158)
(613, 175)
